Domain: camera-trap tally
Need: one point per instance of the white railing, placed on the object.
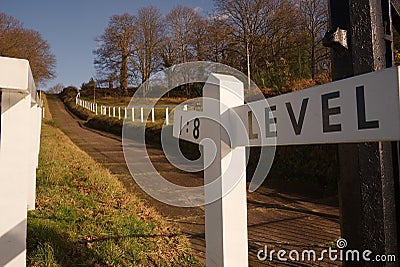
(128, 113)
(21, 115)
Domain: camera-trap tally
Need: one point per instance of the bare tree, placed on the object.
(315, 14)
(18, 42)
(181, 23)
(218, 40)
(148, 36)
(248, 21)
(115, 49)
(56, 89)
(182, 26)
(167, 52)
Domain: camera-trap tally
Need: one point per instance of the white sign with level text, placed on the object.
(359, 109)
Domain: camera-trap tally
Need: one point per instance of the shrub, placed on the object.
(68, 96)
(107, 124)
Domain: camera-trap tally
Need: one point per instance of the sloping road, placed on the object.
(276, 219)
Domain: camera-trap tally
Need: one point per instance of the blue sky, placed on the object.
(71, 26)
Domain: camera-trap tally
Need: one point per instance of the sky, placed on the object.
(71, 26)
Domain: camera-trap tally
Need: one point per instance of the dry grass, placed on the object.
(85, 217)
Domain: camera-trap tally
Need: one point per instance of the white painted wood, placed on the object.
(166, 116)
(226, 218)
(373, 115)
(225, 209)
(19, 146)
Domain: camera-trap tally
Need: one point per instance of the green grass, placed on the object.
(85, 217)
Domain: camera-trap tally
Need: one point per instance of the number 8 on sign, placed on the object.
(196, 130)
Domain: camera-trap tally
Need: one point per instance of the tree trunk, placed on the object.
(124, 75)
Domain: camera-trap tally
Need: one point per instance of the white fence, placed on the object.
(21, 115)
(131, 113)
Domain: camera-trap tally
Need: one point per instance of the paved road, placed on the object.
(278, 219)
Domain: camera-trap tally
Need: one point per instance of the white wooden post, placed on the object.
(109, 111)
(152, 115)
(133, 114)
(125, 113)
(119, 113)
(141, 114)
(166, 116)
(96, 108)
(226, 218)
(225, 208)
(19, 145)
(35, 120)
(113, 111)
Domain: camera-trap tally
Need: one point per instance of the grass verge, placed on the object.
(85, 217)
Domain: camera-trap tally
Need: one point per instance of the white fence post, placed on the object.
(166, 116)
(226, 239)
(96, 108)
(119, 113)
(113, 111)
(133, 114)
(20, 139)
(152, 115)
(126, 113)
(225, 169)
(141, 114)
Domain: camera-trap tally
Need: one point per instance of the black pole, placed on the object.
(367, 179)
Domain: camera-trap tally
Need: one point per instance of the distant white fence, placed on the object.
(21, 115)
(129, 113)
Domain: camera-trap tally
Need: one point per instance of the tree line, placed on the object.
(19, 42)
(273, 41)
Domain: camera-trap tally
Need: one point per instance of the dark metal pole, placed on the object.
(367, 179)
